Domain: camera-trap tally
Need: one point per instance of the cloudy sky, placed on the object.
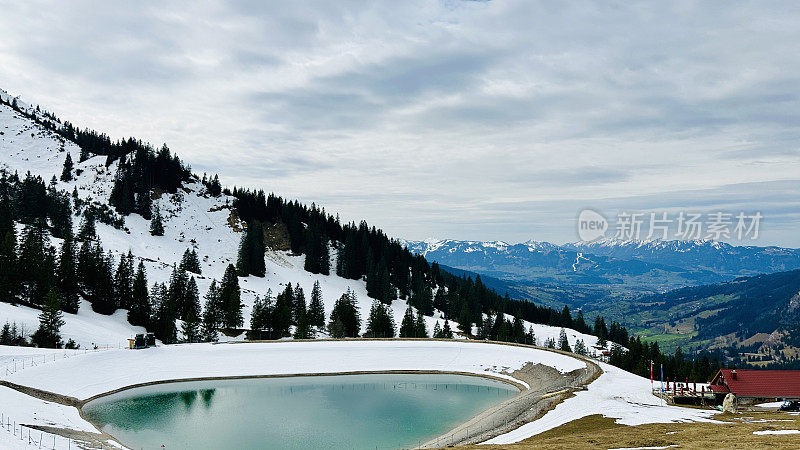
(449, 119)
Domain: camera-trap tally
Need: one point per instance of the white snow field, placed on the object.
(616, 394)
(17, 408)
(100, 372)
(86, 328)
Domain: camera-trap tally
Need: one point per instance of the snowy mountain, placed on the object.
(656, 264)
(192, 218)
(546, 263)
(719, 257)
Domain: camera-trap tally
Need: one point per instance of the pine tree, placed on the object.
(102, 289)
(298, 304)
(379, 285)
(600, 330)
(67, 275)
(345, 258)
(140, 311)
(212, 313)
(144, 204)
(317, 255)
(122, 196)
(563, 343)
(9, 279)
(437, 330)
(420, 330)
(303, 328)
(407, 326)
(380, 323)
(178, 284)
(580, 347)
(190, 262)
(88, 231)
(60, 214)
(261, 326)
(156, 223)
(421, 294)
(6, 206)
(251, 251)
(345, 318)
(66, 172)
(231, 299)
(5, 335)
(123, 282)
(165, 315)
(50, 323)
(518, 331)
(191, 321)
(447, 333)
(32, 201)
(282, 317)
(316, 308)
(37, 257)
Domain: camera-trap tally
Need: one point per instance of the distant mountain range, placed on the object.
(657, 265)
(719, 257)
(678, 292)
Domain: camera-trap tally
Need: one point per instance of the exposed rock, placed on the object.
(729, 403)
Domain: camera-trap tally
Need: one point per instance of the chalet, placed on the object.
(752, 384)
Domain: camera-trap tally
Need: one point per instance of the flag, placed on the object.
(662, 378)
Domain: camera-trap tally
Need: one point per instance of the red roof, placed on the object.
(758, 383)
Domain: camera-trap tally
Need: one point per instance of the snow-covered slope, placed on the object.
(192, 219)
(87, 328)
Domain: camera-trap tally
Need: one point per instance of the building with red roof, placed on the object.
(754, 383)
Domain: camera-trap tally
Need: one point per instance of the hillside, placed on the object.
(751, 313)
(209, 223)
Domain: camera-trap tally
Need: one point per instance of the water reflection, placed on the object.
(352, 411)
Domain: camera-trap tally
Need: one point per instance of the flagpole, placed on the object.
(662, 385)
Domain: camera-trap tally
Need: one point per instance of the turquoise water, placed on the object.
(346, 411)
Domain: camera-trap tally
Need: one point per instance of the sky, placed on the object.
(442, 119)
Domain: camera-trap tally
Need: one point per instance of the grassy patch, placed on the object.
(600, 432)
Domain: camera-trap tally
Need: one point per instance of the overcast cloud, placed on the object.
(474, 120)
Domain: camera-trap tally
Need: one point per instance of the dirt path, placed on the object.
(548, 387)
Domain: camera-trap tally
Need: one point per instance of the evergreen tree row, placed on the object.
(637, 356)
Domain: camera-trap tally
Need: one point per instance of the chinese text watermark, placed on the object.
(682, 225)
